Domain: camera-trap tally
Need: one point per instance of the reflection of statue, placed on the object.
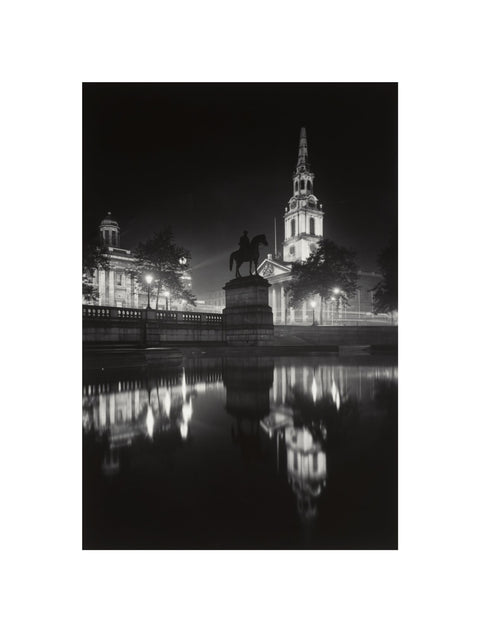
(248, 252)
(248, 382)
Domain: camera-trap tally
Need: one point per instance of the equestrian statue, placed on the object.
(248, 252)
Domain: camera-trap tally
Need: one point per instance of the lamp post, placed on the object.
(148, 279)
(167, 294)
(312, 303)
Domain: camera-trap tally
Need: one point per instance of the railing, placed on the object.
(97, 312)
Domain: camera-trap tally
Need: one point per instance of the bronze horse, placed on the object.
(253, 254)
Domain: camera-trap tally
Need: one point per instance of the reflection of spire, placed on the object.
(187, 412)
(307, 469)
(314, 389)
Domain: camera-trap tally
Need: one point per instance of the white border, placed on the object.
(49, 48)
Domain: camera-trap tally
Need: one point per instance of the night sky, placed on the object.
(212, 160)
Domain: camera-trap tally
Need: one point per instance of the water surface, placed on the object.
(242, 452)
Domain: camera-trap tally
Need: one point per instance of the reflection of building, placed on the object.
(117, 286)
(123, 411)
(303, 227)
(306, 469)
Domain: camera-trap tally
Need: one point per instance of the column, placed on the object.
(101, 287)
(135, 293)
(128, 289)
(282, 305)
(292, 315)
(111, 288)
(274, 304)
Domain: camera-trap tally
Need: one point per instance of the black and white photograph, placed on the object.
(240, 316)
(263, 417)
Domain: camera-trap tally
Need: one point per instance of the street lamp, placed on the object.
(167, 294)
(312, 303)
(336, 291)
(148, 279)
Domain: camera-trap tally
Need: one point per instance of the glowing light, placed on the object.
(335, 395)
(312, 303)
(150, 421)
(336, 290)
(167, 404)
(148, 278)
(184, 386)
(187, 411)
(182, 261)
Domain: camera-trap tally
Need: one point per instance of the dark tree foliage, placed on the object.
(94, 256)
(162, 258)
(385, 293)
(330, 266)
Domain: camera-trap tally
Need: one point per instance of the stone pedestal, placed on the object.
(247, 317)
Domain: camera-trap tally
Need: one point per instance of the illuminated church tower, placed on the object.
(303, 215)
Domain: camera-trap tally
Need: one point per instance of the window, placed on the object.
(309, 185)
(119, 278)
(292, 226)
(315, 461)
(302, 184)
(312, 226)
(296, 186)
(292, 250)
(114, 238)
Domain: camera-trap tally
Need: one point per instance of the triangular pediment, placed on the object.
(270, 267)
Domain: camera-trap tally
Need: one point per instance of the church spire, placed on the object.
(302, 163)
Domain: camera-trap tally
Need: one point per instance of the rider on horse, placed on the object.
(244, 244)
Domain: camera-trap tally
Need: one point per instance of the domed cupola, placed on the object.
(110, 231)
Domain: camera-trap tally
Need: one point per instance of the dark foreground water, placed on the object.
(243, 452)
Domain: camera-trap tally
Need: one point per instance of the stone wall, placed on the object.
(338, 336)
(110, 326)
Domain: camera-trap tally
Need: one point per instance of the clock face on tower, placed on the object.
(293, 204)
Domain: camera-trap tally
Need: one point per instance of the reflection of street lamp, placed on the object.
(148, 279)
(167, 294)
(312, 303)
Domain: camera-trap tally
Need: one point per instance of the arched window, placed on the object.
(302, 184)
(114, 238)
(292, 224)
(296, 186)
(312, 226)
(309, 185)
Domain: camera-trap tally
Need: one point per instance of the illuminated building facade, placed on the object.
(303, 227)
(117, 286)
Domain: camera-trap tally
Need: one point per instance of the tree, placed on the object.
(385, 293)
(94, 257)
(165, 261)
(330, 266)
